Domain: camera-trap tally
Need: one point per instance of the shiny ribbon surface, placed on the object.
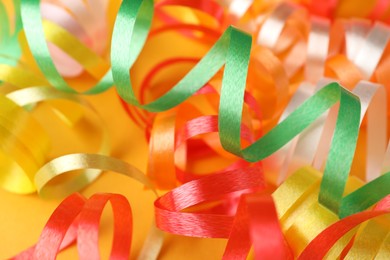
(265, 125)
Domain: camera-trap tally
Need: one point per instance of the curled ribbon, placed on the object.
(83, 220)
(9, 47)
(78, 218)
(30, 153)
(232, 50)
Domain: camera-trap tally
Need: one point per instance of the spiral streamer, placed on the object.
(256, 129)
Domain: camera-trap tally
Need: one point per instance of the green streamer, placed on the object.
(9, 46)
(33, 28)
(123, 56)
(365, 196)
(232, 50)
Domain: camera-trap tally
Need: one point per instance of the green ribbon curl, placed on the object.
(232, 51)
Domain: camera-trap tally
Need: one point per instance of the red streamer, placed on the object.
(78, 218)
(319, 247)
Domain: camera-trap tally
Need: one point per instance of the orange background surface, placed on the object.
(24, 216)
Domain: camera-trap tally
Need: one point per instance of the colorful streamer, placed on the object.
(273, 137)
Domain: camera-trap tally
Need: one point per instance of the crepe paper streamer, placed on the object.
(169, 207)
(256, 222)
(26, 144)
(9, 47)
(85, 219)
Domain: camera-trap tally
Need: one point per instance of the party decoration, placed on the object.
(265, 124)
